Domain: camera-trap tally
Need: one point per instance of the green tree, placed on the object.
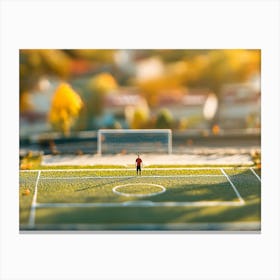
(99, 86)
(164, 119)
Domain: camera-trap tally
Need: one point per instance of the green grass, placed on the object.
(36, 165)
(42, 167)
(142, 188)
(182, 185)
(129, 172)
(79, 190)
(195, 165)
(27, 181)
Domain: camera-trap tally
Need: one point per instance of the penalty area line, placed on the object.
(33, 205)
(234, 188)
(254, 172)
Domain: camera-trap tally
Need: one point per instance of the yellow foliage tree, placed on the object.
(140, 118)
(103, 83)
(99, 86)
(25, 103)
(65, 107)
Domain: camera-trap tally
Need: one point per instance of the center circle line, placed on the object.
(163, 189)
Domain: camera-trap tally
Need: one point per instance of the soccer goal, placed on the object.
(126, 141)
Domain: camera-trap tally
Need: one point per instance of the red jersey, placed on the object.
(138, 161)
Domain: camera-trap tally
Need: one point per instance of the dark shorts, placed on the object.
(138, 168)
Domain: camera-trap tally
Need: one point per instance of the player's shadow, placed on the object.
(104, 184)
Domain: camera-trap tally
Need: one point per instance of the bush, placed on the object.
(164, 119)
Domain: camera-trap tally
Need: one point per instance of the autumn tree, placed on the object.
(209, 69)
(25, 102)
(65, 107)
(219, 67)
(164, 119)
(38, 64)
(139, 116)
(99, 86)
(96, 55)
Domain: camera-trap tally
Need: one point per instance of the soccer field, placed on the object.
(160, 199)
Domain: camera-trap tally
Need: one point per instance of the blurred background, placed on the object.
(208, 98)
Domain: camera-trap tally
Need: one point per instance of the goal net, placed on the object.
(127, 141)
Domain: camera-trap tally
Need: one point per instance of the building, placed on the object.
(116, 105)
(34, 120)
(240, 106)
(186, 106)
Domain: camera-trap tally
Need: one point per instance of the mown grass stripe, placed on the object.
(140, 204)
(116, 177)
(145, 168)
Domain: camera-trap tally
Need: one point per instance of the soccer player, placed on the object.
(138, 164)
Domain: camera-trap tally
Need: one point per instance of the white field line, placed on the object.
(116, 177)
(254, 172)
(234, 188)
(126, 169)
(163, 189)
(33, 205)
(140, 204)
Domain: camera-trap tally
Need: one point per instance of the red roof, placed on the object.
(80, 66)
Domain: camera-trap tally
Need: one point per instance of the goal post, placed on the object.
(126, 141)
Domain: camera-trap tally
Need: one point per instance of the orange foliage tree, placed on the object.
(65, 108)
(38, 63)
(219, 67)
